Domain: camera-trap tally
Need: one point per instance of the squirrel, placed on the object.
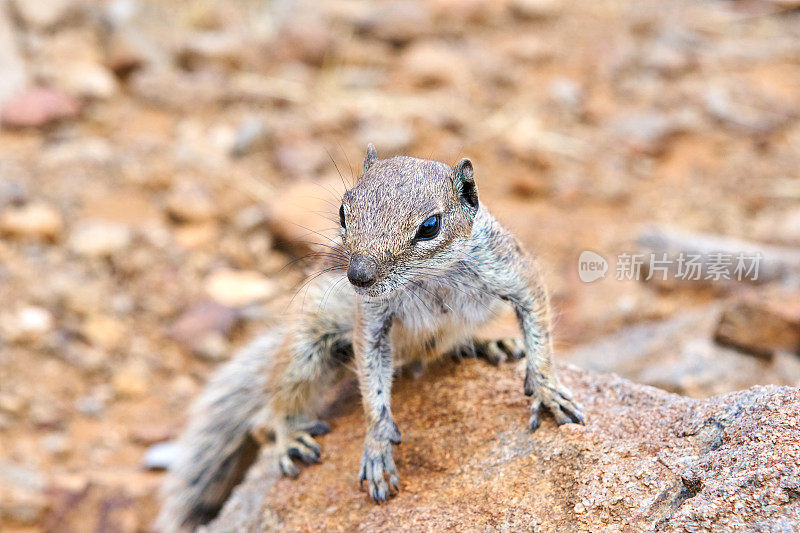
(426, 264)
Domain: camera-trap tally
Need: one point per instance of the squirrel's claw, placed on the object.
(496, 351)
(555, 398)
(301, 447)
(377, 464)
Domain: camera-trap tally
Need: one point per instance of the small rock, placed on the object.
(43, 15)
(236, 288)
(761, 327)
(35, 220)
(152, 433)
(34, 320)
(399, 22)
(388, 136)
(123, 54)
(536, 9)
(188, 202)
(529, 48)
(37, 108)
(668, 59)
(646, 133)
(307, 38)
(12, 192)
(160, 456)
(197, 235)
(27, 324)
(44, 413)
(251, 135)
(212, 346)
(56, 444)
(211, 48)
(99, 238)
(200, 320)
(90, 405)
(12, 403)
(89, 80)
(568, 95)
(434, 64)
(132, 381)
(22, 497)
(103, 331)
(296, 216)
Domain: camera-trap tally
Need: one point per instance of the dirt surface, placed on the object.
(146, 146)
(646, 461)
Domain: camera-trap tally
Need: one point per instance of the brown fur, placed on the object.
(424, 300)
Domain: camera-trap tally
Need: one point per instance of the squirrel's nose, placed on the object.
(362, 270)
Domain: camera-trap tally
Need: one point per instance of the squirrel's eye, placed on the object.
(428, 229)
(341, 215)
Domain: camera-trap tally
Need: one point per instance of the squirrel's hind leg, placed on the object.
(493, 351)
(304, 375)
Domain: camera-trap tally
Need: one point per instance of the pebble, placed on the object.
(90, 405)
(235, 288)
(160, 456)
(152, 433)
(306, 38)
(535, 9)
(201, 319)
(433, 63)
(568, 95)
(88, 80)
(34, 320)
(189, 202)
(56, 444)
(103, 331)
(12, 403)
(646, 133)
(38, 107)
(206, 48)
(399, 22)
(99, 238)
(28, 323)
(131, 381)
(251, 135)
(22, 497)
(123, 53)
(212, 346)
(44, 15)
(12, 192)
(35, 220)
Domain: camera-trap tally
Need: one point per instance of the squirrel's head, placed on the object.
(405, 220)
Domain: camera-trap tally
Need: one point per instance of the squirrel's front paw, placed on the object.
(377, 465)
(551, 395)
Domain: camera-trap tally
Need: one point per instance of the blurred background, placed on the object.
(162, 162)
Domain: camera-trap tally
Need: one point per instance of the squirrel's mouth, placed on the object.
(377, 291)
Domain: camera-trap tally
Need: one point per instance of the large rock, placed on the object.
(647, 460)
(680, 355)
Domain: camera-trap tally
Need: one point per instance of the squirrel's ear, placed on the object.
(464, 178)
(371, 157)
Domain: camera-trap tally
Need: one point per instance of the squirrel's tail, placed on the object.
(217, 448)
